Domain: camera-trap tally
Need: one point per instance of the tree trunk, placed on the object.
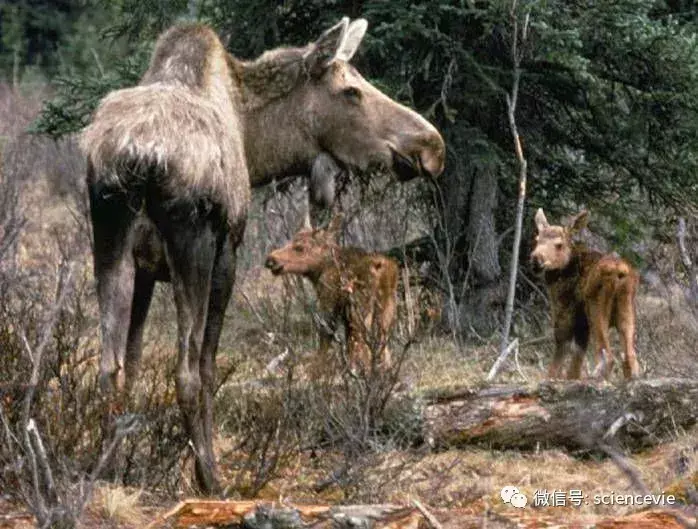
(572, 415)
(467, 240)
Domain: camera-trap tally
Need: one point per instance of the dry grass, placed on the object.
(270, 315)
(119, 505)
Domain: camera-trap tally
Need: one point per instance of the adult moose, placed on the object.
(170, 165)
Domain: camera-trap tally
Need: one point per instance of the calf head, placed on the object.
(307, 253)
(553, 244)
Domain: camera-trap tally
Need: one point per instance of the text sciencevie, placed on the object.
(577, 498)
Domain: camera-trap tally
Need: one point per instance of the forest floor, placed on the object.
(464, 482)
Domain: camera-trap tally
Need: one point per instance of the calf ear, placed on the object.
(352, 40)
(324, 50)
(541, 221)
(579, 222)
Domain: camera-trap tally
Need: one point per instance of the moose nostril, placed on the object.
(433, 154)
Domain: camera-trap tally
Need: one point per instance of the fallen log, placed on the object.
(266, 515)
(572, 415)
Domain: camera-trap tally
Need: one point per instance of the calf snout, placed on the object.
(537, 262)
(273, 264)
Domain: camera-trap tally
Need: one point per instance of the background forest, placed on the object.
(608, 117)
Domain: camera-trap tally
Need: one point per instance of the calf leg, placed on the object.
(625, 322)
(562, 338)
(387, 317)
(599, 321)
(575, 370)
(603, 357)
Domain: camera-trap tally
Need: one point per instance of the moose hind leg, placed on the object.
(222, 282)
(625, 322)
(190, 248)
(142, 295)
(112, 221)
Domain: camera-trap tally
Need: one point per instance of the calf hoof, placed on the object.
(631, 372)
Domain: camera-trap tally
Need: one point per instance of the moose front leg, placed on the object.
(563, 337)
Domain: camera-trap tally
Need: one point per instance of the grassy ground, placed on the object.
(266, 318)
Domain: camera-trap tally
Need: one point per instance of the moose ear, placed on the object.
(541, 221)
(579, 222)
(352, 40)
(324, 50)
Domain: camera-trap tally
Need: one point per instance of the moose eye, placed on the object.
(298, 248)
(558, 246)
(352, 93)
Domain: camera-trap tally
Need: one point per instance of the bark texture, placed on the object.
(571, 415)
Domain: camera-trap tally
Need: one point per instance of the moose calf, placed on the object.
(353, 287)
(589, 293)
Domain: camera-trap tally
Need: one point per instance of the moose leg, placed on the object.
(112, 220)
(599, 319)
(575, 370)
(142, 295)
(562, 339)
(625, 322)
(222, 282)
(578, 346)
(190, 248)
(387, 316)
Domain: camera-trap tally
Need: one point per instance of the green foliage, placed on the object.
(608, 101)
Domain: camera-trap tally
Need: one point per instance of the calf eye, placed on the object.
(298, 248)
(558, 246)
(352, 93)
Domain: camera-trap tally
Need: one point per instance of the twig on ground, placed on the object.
(502, 358)
(430, 518)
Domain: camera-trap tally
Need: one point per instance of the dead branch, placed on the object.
(430, 518)
(686, 261)
(501, 359)
(519, 36)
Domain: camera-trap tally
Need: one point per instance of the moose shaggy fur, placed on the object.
(170, 164)
(589, 292)
(355, 288)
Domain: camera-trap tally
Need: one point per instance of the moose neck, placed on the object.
(277, 144)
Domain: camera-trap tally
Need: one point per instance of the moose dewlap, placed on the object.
(589, 292)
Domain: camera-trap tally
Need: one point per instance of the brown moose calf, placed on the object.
(353, 287)
(589, 292)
